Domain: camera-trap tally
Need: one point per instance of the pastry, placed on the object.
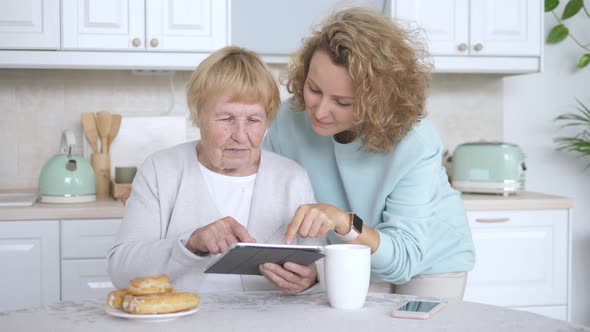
(160, 303)
(149, 285)
(115, 298)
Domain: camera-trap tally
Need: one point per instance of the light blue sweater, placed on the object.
(404, 194)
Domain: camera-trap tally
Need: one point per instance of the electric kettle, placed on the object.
(67, 178)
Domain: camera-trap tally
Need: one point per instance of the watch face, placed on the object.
(357, 223)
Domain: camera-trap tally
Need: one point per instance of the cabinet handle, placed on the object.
(462, 47)
(492, 220)
(100, 285)
(136, 42)
(154, 42)
(478, 47)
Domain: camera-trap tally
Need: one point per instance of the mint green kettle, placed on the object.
(67, 178)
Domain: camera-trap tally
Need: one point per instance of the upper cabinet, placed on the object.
(144, 25)
(478, 35)
(29, 24)
(463, 36)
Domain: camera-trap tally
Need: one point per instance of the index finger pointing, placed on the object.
(293, 227)
(241, 233)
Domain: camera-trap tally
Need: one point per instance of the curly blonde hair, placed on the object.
(385, 63)
(237, 70)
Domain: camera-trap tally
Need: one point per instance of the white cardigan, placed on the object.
(170, 199)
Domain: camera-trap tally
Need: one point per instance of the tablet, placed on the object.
(244, 258)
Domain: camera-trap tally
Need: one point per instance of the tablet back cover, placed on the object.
(244, 259)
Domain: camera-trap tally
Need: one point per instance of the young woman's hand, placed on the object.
(316, 220)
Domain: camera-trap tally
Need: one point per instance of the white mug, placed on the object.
(347, 270)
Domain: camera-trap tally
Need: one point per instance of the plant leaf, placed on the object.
(572, 8)
(580, 142)
(584, 60)
(550, 5)
(557, 34)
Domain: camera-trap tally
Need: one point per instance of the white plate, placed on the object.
(150, 317)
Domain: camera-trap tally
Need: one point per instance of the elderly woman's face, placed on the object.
(231, 134)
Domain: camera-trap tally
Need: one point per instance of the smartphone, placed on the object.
(418, 309)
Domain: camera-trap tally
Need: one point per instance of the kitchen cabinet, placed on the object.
(522, 260)
(29, 24)
(144, 25)
(29, 256)
(85, 244)
(478, 35)
(31, 260)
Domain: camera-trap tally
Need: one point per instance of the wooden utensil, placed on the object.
(103, 124)
(101, 163)
(115, 125)
(89, 126)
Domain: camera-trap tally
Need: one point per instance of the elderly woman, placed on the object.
(192, 201)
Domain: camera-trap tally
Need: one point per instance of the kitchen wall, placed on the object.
(531, 102)
(37, 105)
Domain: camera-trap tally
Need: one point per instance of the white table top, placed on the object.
(270, 311)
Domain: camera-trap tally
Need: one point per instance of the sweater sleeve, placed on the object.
(141, 248)
(406, 221)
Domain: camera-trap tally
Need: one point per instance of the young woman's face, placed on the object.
(231, 134)
(329, 96)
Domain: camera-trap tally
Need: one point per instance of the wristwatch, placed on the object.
(356, 228)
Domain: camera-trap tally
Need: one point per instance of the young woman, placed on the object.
(356, 123)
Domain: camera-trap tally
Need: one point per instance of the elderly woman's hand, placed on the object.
(316, 220)
(292, 278)
(218, 236)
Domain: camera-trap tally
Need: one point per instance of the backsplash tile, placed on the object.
(466, 107)
(8, 98)
(37, 105)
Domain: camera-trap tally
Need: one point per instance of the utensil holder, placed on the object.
(101, 163)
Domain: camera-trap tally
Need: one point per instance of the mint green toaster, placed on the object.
(488, 167)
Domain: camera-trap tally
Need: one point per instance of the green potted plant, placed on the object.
(580, 142)
(560, 32)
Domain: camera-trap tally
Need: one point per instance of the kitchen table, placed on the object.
(272, 311)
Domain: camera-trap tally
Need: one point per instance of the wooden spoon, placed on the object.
(103, 124)
(115, 125)
(89, 126)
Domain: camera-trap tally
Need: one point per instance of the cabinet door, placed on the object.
(29, 257)
(85, 279)
(505, 27)
(29, 24)
(521, 258)
(445, 23)
(186, 25)
(88, 238)
(103, 24)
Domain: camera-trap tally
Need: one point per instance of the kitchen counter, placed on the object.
(272, 311)
(523, 200)
(110, 208)
(100, 209)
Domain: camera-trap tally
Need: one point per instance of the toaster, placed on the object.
(488, 167)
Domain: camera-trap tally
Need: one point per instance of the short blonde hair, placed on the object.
(232, 69)
(385, 64)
